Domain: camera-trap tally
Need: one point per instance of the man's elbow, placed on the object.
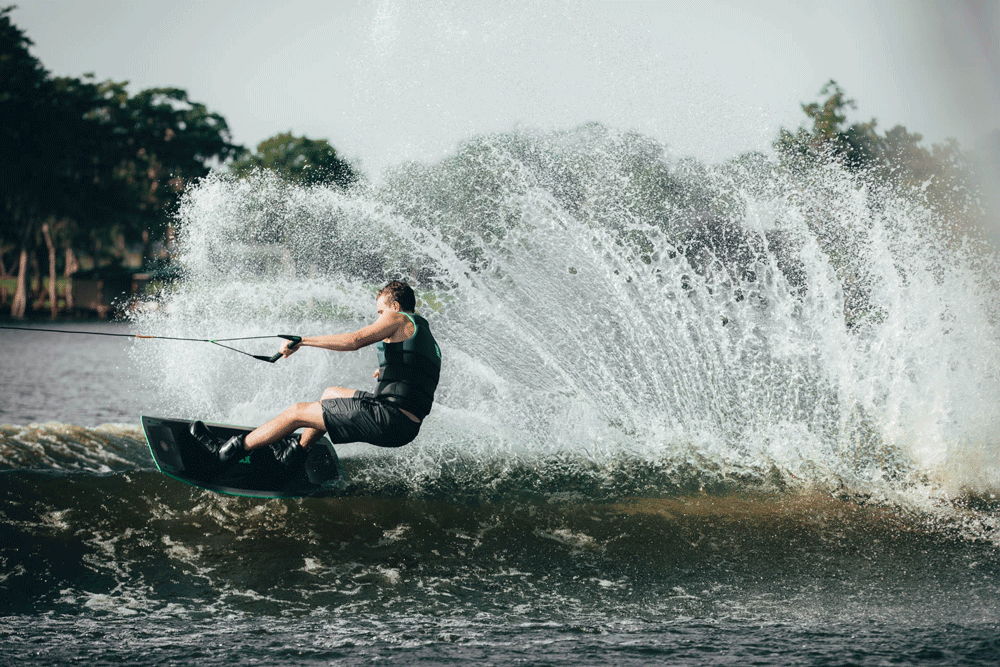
(354, 344)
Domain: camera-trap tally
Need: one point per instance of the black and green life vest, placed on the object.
(408, 372)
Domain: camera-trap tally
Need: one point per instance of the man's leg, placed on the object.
(307, 415)
(294, 417)
(312, 434)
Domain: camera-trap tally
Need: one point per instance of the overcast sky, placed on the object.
(395, 80)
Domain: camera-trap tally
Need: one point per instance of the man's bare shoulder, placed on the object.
(404, 327)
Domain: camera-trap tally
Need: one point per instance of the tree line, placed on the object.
(90, 170)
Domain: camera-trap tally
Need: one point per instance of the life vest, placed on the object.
(408, 372)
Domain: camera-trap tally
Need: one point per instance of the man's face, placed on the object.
(383, 304)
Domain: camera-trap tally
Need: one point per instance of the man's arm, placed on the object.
(384, 327)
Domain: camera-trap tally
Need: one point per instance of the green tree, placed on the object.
(30, 168)
(86, 163)
(298, 159)
(939, 175)
(828, 136)
(160, 141)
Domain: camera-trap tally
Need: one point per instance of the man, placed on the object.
(409, 368)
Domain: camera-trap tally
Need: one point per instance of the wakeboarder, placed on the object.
(409, 368)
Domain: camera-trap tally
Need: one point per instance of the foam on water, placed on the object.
(66, 447)
(597, 302)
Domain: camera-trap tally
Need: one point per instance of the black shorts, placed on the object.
(364, 418)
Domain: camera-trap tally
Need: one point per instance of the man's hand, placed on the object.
(289, 348)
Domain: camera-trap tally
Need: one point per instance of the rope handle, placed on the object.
(295, 341)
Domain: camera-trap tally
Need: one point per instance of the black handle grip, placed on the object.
(277, 355)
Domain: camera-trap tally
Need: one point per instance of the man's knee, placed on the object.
(337, 392)
(297, 410)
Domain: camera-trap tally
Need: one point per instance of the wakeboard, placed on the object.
(256, 475)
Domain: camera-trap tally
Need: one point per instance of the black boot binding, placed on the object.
(288, 452)
(205, 438)
(225, 452)
(232, 450)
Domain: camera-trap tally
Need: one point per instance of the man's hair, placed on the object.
(399, 292)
